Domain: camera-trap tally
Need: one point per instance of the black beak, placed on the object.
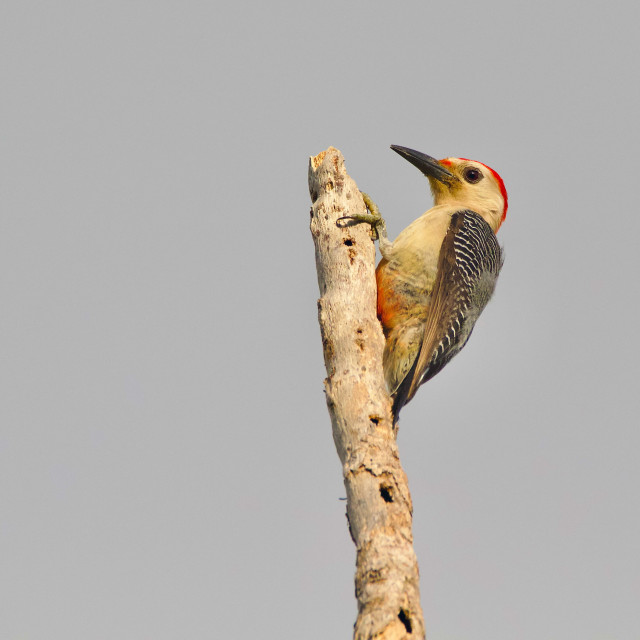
(429, 166)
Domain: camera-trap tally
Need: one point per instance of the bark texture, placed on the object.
(379, 508)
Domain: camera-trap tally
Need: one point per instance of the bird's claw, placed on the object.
(373, 217)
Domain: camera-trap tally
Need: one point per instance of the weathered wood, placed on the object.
(379, 508)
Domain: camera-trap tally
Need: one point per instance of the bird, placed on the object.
(437, 276)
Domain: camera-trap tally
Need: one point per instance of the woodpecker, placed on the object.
(437, 276)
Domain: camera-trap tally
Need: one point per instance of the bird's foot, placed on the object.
(372, 217)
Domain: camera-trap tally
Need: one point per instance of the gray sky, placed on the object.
(166, 461)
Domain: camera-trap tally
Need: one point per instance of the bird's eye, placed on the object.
(472, 175)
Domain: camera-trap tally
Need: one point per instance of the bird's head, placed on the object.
(467, 183)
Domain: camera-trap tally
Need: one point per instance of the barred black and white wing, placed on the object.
(468, 266)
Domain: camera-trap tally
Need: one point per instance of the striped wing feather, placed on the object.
(468, 265)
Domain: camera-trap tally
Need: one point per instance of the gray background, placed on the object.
(166, 463)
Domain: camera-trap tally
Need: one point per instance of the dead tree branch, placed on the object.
(379, 508)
